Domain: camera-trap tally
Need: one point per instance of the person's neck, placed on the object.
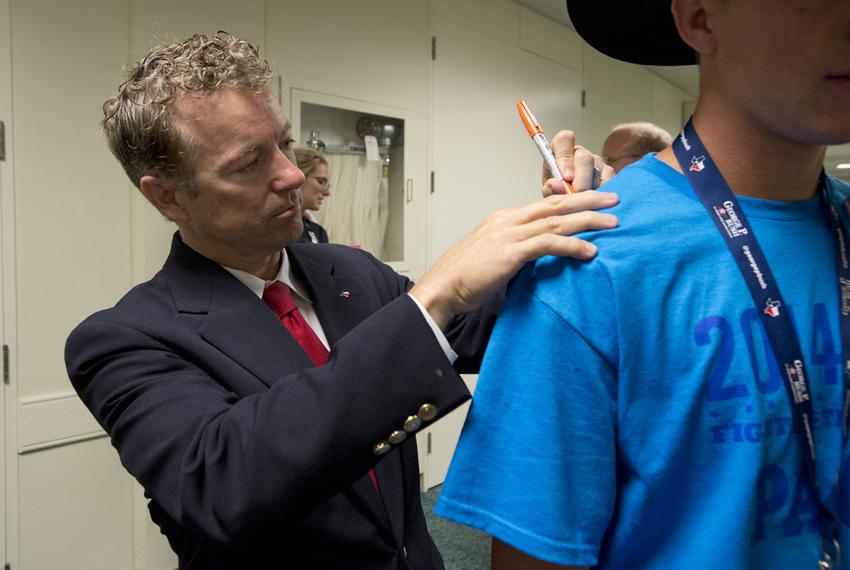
(755, 163)
(264, 266)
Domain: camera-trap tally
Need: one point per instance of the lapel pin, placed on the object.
(345, 294)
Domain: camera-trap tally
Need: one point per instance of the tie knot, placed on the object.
(278, 296)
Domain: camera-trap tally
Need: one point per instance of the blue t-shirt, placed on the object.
(629, 411)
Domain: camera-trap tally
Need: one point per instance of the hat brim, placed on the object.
(634, 31)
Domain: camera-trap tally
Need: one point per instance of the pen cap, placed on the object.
(531, 124)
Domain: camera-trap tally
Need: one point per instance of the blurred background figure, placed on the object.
(316, 187)
(629, 142)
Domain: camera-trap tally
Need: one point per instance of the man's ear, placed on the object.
(694, 21)
(163, 194)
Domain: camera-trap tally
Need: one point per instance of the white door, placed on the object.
(68, 500)
(482, 156)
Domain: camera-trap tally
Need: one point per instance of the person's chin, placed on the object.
(287, 236)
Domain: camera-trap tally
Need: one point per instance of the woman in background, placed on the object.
(316, 187)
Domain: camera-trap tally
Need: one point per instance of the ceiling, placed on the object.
(685, 77)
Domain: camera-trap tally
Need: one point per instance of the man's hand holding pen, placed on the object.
(585, 170)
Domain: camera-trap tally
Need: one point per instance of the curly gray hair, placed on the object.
(139, 123)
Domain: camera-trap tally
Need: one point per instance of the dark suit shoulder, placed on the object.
(333, 253)
(344, 261)
(150, 299)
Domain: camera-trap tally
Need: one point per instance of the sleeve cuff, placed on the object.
(441, 338)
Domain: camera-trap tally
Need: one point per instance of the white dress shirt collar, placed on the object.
(284, 275)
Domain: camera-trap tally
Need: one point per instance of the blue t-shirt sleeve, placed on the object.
(535, 464)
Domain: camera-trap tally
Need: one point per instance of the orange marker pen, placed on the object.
(539, 139)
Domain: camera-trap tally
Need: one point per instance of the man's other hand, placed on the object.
(576, 164)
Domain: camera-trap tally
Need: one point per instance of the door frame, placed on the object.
(8, 322)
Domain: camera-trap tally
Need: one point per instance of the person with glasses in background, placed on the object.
(629, 142)
(316, 187)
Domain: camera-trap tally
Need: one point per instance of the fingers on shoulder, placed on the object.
(568, 224)
(580, 201)
(578, 211)
(554, 244)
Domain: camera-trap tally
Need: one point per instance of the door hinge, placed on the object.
(2, 141)
(428, 446)
(5, 364)
(433, 48)
(583, 98)
(432, 182)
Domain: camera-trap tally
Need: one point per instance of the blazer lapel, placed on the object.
(340, 301)
(240, 324)
(234, 319)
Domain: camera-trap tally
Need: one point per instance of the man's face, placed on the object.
(247, 203)
(618, 150)
(784, 65)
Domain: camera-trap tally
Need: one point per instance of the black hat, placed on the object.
(635, 31)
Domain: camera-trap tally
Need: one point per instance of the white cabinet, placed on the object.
(372, 203)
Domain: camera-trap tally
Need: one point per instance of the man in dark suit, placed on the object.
(256, 453)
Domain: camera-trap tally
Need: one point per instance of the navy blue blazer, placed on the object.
(313, 230)
(251, 456)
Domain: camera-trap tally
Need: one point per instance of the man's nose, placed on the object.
(287, 175)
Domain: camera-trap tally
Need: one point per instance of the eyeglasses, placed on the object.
(609, 160)
(322, 181)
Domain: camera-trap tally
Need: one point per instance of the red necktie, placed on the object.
(278, 296)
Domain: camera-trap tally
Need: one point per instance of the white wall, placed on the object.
(618, 92)
(76, 234)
